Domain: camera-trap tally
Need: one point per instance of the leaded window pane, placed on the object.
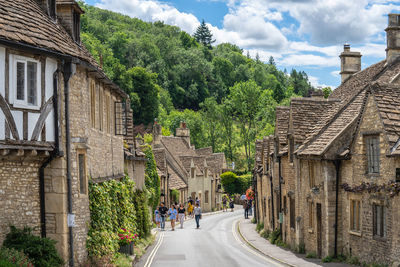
(20, 81)
(372, 143)
(32, 83)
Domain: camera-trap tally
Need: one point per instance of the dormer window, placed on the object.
(25, 81)
(77, 26)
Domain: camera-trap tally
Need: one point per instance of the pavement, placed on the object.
(248, 232)
(216, 243)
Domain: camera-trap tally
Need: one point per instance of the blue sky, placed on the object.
(303, 34)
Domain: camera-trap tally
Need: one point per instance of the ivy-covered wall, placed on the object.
(152, 180)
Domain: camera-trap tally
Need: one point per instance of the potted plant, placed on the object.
(126, 241)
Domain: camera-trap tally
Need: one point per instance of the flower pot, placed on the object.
(126, 249)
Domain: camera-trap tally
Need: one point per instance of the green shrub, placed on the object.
(328, 259)
(41, 251)
(253, 220)
(264, 233)
(175, 195)
(12, 257)
(259, 227)
(353, 260)
(274, 236)
(301, 248)
(311, 255)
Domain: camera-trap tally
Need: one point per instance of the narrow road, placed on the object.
(216, 243)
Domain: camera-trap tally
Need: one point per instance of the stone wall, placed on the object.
(19, 195)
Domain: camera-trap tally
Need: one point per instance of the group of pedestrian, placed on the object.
(225, 200)
(247, 206)
(176, 212)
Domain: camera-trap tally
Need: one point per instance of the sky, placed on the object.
(306, 35)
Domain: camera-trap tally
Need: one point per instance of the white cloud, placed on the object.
(315, 83)
(335, 73)
(308, 60)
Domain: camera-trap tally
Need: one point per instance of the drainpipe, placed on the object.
(68, 72)
(53, 155)
(337, 167)
(280, 193)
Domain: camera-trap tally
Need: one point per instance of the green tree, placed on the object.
(244, 97)
(144, 95)
(203, 35)
(212, 116)
(327, 91)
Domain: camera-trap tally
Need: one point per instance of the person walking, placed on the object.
(231, 205)
(224, 202)
(181, 215)
(246, 209)
(250, 207)
(190, 208)
(157, 218)
(197, 201)
(197, 215)
(172, 216)
(163, 213)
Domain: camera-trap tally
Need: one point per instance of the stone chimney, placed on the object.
(317, 94)
(69, 15)
(350, 62)
(49, 7)
(157, 133)
(183, 132)
(393, 38)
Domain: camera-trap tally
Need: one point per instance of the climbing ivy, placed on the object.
(112, 207)
(143, 222)
(152, 180)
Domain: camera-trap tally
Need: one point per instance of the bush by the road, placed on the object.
(234, 184)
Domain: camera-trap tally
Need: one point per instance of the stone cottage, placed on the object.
(193, 172)
(345, 161)
(62, 122)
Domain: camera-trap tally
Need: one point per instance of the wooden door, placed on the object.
(319, 230)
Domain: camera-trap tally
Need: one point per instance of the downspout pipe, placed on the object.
(68, 72)
(280, 192)
(53, 155)
(337, 167)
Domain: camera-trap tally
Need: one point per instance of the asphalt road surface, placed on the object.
(216, 243)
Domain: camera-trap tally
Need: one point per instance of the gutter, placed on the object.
(68, 72)
(53, 155)
(337, 167)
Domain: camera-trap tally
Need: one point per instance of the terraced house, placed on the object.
(193, 172)
(332, 185)
(61, 121)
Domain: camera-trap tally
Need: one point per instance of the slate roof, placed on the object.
(352, 94)
(24, 22)
(175, 181)
(282, 124)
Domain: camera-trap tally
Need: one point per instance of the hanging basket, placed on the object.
(126, 249)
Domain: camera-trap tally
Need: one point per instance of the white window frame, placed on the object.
(17, 103)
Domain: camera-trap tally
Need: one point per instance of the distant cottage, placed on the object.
(194, 172)
(330, 176)
(61, 121)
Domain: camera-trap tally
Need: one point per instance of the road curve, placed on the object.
(216, 243)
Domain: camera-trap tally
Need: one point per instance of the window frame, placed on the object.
(310, 215)
(92, 104)
(382, 221)
(23, 103)
(206, 196)
(355, 210)
(372, 154)
(83, 180)
(292, 213)
(311, 174)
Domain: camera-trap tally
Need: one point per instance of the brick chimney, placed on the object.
(183, 132)
(393, 38)
(69, 15)
(350, 62)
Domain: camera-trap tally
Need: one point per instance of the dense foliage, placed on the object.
(173, 76)
(13, 258)
(40, 251)
(233, 184)
(152, 180)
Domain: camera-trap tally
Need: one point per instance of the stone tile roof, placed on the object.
(282, 124)
(24, 22)
(216, 163)
(204, 151)
(160, 158)
(307, 114)
(352, 94)
(175, 181)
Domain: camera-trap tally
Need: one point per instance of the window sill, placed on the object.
(311, 231)
(379, 238)
(25, 106)
(373, 175)
(356, 233)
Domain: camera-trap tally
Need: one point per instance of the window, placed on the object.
(93, 104)
(311, 173)
(77, 26)
(120, 118)
(311, 215)
(379, 220)
(192, 172)
(82, 173)
(52, 8)
(284, 205)
(355, 215)
(101, 109)
(206, 197)
(108, 115)
(372, 146)
(397, 175)
(292, 213)
(26, 82)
